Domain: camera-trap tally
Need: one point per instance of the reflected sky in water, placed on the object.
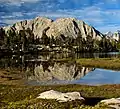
(69, 73)
(100, 76)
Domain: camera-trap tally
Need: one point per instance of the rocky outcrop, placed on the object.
(113, 103)
(113, 36)
(67, 27)
(71, 27)
(61, 97)
(37, 26)
(70, 33)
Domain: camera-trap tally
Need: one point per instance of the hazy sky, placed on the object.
(104, 15)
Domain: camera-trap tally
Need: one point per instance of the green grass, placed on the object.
(23, 97)
(108, 63)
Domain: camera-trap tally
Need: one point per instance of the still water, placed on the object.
(100, 76)
(49, 68)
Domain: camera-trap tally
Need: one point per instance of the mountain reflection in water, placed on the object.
(44, 68)
(54, 71)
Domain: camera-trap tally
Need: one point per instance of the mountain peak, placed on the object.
(68, 27)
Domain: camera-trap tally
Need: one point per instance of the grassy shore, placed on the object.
(24, 97)
(108, 63)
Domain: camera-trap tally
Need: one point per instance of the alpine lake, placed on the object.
(92, 74)
(57, 68)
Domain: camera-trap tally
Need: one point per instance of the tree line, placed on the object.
(23, 39)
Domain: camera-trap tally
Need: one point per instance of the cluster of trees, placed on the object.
(24, 38)
(16, 41)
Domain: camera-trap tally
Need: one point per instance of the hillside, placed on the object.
(63, 34)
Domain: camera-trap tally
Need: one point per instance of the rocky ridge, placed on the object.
(115, 36)
(68, 33)
(68, 27)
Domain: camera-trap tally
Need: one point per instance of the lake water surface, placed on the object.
(100, 76)
(49, 68)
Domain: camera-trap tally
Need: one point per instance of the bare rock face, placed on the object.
(65, 27)
(71, 27)
(113, 36)
(61, 97)
(66, 32)
(37, 26)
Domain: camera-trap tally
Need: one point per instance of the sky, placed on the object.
(104, 15)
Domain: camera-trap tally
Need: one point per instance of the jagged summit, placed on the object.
(65, 33)
(67, 27)
(115, 36)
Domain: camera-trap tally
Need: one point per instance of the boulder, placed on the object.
(61, 97)
(113, 103)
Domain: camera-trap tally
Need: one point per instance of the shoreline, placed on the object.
(16, 96)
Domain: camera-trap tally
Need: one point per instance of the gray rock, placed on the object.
(113, 36)
(68, 27)
(37, 25)
(61, 97)
(65, 32)
(113, 102)
(71, 27)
